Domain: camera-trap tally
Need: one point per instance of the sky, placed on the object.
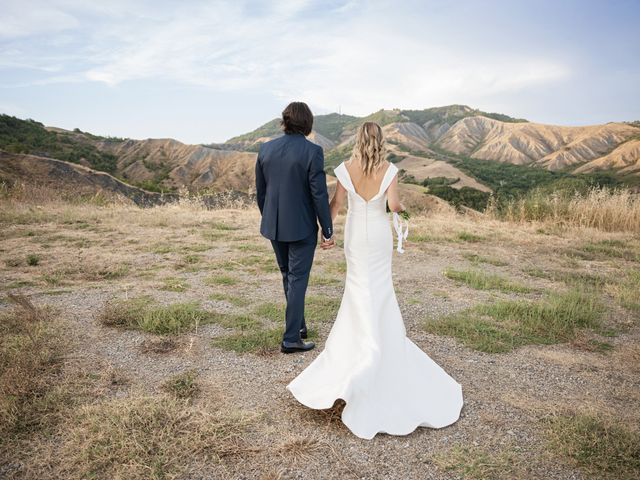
(204, 71)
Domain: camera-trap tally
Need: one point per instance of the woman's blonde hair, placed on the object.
(370, 148)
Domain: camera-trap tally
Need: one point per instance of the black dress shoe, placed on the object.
(291, 347)
(303, 333)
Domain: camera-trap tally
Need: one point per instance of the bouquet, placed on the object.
(402, 231)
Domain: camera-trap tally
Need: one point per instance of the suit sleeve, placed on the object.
(318, 185)
(261, 184)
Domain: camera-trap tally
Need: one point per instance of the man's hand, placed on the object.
(327, 244)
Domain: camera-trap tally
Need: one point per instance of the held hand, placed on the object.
(327, 243)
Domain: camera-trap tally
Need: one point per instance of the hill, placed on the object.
(153, 164)
(550, 146)
(78, 181)
(137, 169)
(339, 128)
(172, 164)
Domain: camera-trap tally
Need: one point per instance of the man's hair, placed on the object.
(297, 118)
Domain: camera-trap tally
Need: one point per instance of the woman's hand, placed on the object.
(328, 243)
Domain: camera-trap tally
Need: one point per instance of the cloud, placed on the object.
(332, 53)
(39, 18)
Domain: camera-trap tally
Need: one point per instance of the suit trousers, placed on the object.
(295, 260)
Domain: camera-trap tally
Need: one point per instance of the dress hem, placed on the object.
(395, 433)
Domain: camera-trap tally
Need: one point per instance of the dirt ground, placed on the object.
(89, 256)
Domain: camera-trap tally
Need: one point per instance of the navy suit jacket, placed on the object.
(291, 187)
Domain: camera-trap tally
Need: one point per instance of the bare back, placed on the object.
(366, 187)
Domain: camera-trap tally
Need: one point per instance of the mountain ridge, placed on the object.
(326, 124)
(462, 130)
(429, 146)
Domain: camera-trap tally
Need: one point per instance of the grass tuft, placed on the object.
(600, 446)
(140, 314)
(259, 341)
(271, 311)
(505, 325)
(469, 237)
(239, 322)
(320, 308)
(33, 259)
(612, 248)
(174, 284)
(221, 280)
(31, 349)
(627, 290)
(301, 449)
(475, 258)
(232, 299)
(485, 281)
(158, 345)
(254, 341)
(142, 438)
(477, 463)
(183, 385)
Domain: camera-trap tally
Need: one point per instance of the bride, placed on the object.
(388, 383)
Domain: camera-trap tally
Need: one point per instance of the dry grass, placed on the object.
(504, 325)
(627, 357)
(300, 449)
(31, 350)
(159, 345)
(183, 385)
(173, 284)
(56, 423)
(475, 258)
(21, 193)
(139, 438)
(261, 341)
(481, 280)
(597, 443)
(604, 209)
(140, 313)
(235, 300)
(481, 463)
(627, 290)
(328, 416)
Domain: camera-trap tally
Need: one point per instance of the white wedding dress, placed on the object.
(388, 383)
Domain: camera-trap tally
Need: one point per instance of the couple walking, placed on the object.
(388, 383)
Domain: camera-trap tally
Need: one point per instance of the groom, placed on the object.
(292, 196)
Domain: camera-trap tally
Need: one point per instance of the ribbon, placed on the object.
(401, 233)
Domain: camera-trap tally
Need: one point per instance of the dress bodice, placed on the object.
(375, 207)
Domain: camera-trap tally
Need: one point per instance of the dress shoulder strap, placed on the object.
(391, 172)
(343, 177)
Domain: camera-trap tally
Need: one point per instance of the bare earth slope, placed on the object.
(17, 168)
(422, 168)
(554, 147)
(67, 177)
(190, 165)
(73, 180)
(462, 130)
(626, 157)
